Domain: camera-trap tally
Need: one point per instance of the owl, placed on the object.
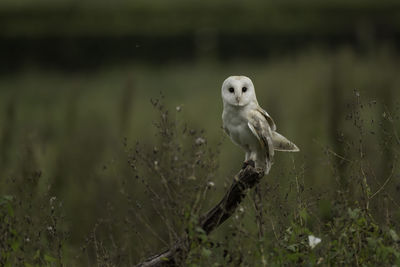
(248, 125)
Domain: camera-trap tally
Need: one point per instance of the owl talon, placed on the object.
(248, 162)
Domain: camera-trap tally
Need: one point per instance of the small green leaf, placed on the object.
(10, 210)
(303, 214)
(15, 245)
(8, 197)
(5, 199)
(206, 252)
(200, 230)
(292, 247)
(353, 213)
(394, 235)
(371, 242)
(37, 254)
(49, 258)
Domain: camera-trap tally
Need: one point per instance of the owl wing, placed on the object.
(280, 143)
(267, 117)
(261, 128)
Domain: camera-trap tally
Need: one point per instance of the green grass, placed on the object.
(63, 135)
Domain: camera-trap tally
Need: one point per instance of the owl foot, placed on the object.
(249, 162)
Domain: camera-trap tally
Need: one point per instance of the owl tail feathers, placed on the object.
(267, 167)
(281, 143)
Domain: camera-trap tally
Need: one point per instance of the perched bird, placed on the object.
(248, 125)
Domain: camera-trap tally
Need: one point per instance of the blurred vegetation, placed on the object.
(69, 17)
(72, 35)
(98, 167)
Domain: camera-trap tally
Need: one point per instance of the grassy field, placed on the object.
(92, 172)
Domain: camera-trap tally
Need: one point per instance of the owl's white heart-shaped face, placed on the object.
(238, 91)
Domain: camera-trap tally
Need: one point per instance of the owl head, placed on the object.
(238, 91)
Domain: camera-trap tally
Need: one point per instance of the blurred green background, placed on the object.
(76, 79)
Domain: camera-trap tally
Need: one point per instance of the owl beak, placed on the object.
(238, 99)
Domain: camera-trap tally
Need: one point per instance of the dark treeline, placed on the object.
(74, 36)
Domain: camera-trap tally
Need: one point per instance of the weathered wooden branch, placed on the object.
(245, 179)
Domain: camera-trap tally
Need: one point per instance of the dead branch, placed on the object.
(247, 177)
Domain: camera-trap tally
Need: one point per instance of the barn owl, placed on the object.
(248, 125)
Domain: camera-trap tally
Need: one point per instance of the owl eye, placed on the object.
(244, 89)
(231, 89)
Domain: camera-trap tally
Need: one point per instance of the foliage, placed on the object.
(74, 194)
(31, 234)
